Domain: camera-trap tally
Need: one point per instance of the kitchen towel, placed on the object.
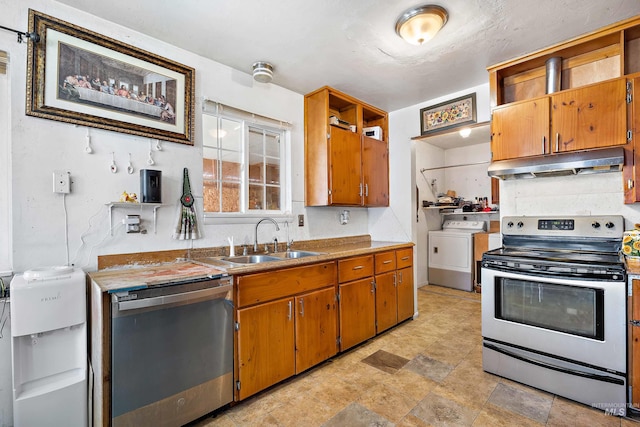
(187, 227)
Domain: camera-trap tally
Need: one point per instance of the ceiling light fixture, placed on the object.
(262, 72)
(420, 24)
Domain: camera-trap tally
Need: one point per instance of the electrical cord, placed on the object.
(86, 233)
(66, 226)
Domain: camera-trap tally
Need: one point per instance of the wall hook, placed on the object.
(87, 147)
(113, 166)
(150, 161)
(130, 166)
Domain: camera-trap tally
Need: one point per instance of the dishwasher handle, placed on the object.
(210, 293)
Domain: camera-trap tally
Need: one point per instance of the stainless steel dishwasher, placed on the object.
(171, 352)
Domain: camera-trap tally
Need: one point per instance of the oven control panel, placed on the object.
(556, 224)
(609, 226)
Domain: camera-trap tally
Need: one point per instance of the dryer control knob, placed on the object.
(609, 225)
(520, 224)
(510, 224)
(595, 224)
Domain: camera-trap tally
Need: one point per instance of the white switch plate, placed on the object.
(61, 182)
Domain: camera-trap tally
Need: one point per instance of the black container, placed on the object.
(150, 186)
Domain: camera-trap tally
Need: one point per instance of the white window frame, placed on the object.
(272, 125)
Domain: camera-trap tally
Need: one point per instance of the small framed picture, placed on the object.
(447, 115)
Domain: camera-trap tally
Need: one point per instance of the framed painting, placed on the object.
(448, 115)
(77, 76)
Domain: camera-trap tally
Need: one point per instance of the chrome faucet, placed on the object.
(255, 242)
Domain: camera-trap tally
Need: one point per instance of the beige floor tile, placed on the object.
(440, 411)
(387, 402)
(468, 386)
(411, 384)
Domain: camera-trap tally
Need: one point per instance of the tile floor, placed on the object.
(425, 372)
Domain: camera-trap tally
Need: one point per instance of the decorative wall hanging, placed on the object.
(447, 115)
(77, 76)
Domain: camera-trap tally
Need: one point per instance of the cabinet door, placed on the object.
(589, 117)
(316, 328)
(405, 293)
(357, 312)
(632, 151)
(375, 171)
(265, 341)
(386, 301)
(346, 167)
(520, 129)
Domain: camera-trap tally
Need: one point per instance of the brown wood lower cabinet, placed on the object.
(405, 293)
(285, 323)
(265, 346)
(357, 312)
(316, 328)
(357, 300)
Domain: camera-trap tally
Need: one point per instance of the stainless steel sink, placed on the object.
(297, 254)
(251, 259)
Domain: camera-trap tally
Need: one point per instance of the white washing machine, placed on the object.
(49, 348)
(451, 254)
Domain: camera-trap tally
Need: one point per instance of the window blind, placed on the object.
(222, 110)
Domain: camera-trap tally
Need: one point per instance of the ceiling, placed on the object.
(352, 45)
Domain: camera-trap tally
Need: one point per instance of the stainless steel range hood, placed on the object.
(561, 164)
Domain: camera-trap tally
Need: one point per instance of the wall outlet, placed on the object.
(61, 182)
(301, 220)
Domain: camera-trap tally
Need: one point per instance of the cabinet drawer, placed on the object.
(404, 258)
(355, 268)
(385, 261)
(267, 286)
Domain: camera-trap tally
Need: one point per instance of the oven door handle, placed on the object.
(596, 377)
(208, 293)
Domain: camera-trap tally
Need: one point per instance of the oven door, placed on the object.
(579, 321)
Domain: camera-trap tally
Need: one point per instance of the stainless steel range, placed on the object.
(554, 308)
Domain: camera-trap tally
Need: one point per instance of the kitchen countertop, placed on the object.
(142, 276)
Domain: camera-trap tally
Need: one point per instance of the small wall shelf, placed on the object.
(127, 205)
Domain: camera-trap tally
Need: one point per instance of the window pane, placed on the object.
(230, 197)
(231, 166)
(230, 135)
(256, 197)
(272, 145)
(273, 171)
(211, 197)
(273, 198)
(255, 168)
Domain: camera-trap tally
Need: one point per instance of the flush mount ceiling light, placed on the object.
(262, 72)
(420, 24)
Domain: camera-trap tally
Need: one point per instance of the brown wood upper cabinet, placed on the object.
(575, 119)
(343, 167)
(590, 110)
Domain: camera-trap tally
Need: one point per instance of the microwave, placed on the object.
(373, 132)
